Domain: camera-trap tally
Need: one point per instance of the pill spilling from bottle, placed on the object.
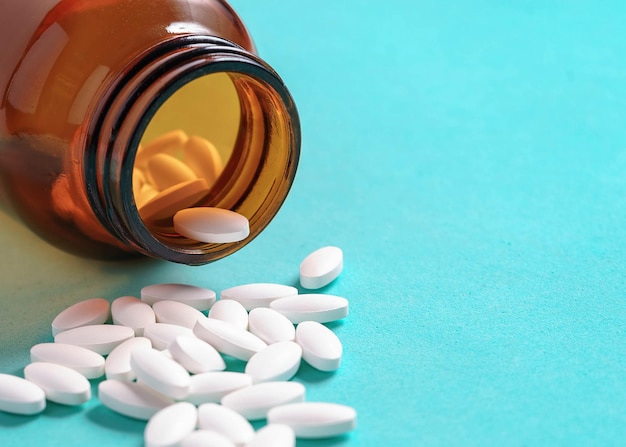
(160, 357)
(214, 225)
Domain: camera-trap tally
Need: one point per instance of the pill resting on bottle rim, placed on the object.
(211, 225)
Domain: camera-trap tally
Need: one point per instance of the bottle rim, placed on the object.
(131, 101)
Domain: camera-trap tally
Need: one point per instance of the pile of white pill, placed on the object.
(163, 361)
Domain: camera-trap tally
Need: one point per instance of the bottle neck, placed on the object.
(259, 171)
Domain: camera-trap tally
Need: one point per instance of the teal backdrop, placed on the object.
(469, 157)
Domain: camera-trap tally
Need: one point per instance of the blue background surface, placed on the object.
(469, 157)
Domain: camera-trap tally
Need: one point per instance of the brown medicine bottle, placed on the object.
(85, 83)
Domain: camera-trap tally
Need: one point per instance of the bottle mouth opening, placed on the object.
(231, 151)
(220, 130)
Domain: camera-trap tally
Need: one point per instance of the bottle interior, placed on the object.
(185, 150)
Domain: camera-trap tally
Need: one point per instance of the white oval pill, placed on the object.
(163, 334)
(228, 339)
(61, 384)
(274, 435)
(20, 396)
(231, 312)
(211, 225)
(83, 313)
(255, 401)
(225, 421)
(131, 399)
(167, 202)
(279, 361)
(203, 158)
(270, 326)
(132, 312)
(117, 363)
(321, 267)
(169, 426)
(175, 312)
(166, 171)
(311, 420)
(256, 295)
(100, 338)
(194, 296)
(160, 373)
(195, 355)
(321, 348)
(82, 360)
(312, 307)
(210, 387)
(206, 438)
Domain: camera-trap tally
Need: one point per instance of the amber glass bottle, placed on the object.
(85, 83)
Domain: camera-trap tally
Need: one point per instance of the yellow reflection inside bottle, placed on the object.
(185, 147)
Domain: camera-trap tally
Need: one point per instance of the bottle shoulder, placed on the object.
(66, 42)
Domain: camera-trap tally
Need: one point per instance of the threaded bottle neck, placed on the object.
(260, 169)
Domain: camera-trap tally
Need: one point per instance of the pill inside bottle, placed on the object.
(184, 150)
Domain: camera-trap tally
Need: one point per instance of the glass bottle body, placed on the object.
(84, 84)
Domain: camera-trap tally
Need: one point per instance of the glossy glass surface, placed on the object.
(63, 60)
